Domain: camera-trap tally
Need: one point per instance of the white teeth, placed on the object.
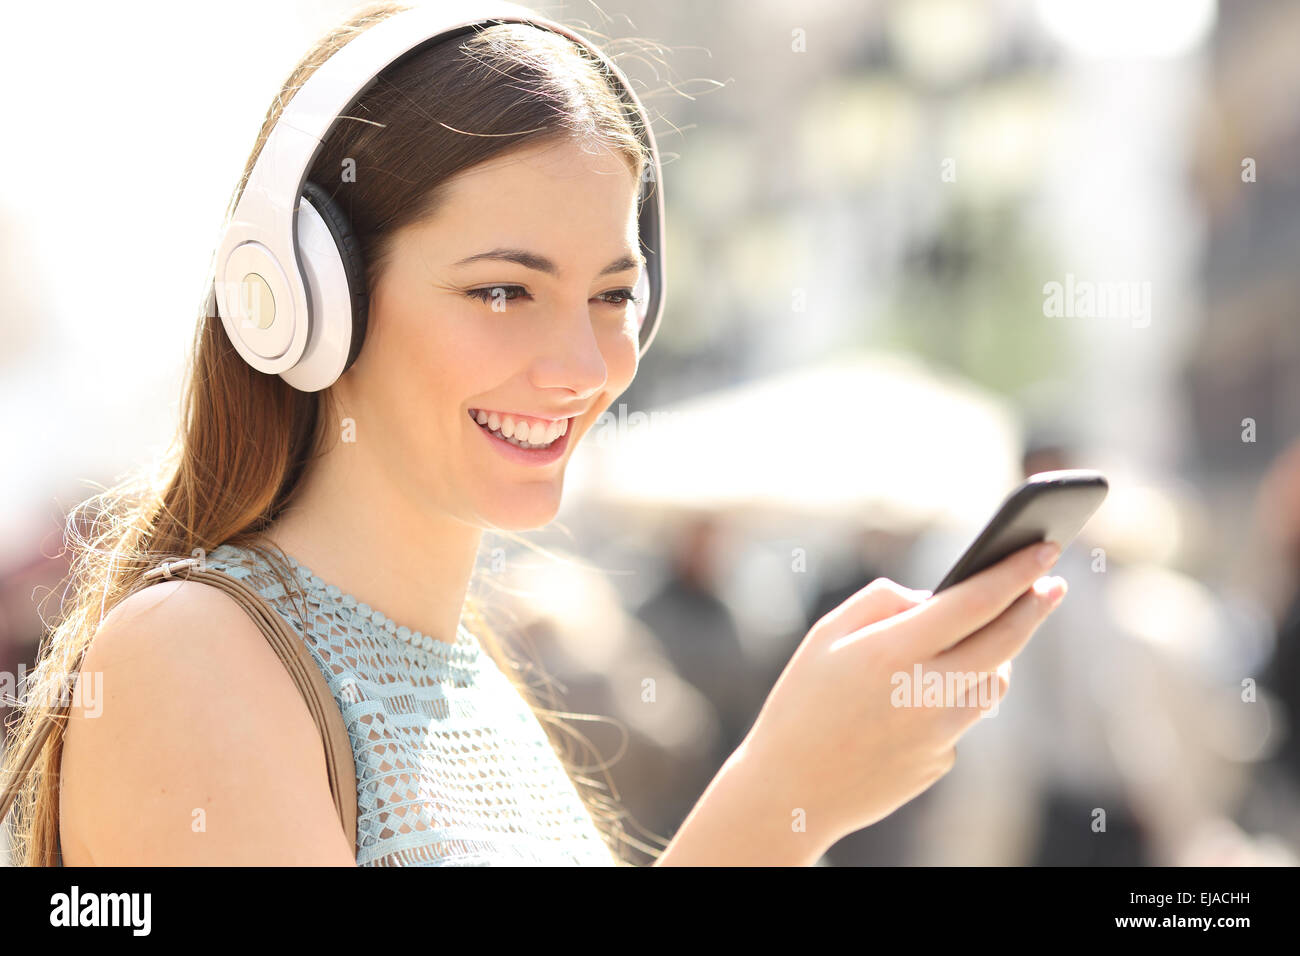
(520, 434)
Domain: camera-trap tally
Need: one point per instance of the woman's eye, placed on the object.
(626, 297)
(498, 293)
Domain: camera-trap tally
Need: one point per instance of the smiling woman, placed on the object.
(477, 216)
(493, 185)
(562, 348)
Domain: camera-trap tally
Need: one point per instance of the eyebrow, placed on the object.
(530, 260)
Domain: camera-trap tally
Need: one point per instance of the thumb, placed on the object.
(880, 599)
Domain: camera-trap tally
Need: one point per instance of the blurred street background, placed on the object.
(917, 250)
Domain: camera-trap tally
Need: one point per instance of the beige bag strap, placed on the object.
(293, 653)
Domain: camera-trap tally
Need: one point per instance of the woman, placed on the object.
(481, 371)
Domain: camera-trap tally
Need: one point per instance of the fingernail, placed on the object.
(1047, 553)
(1049, 589)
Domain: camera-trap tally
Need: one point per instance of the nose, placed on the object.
(571, 357)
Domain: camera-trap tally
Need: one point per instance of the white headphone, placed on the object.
(289, 282)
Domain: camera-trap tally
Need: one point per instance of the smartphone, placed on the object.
(1049, 506)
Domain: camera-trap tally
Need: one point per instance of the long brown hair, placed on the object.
(245, 438)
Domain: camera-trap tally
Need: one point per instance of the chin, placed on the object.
(522, 514)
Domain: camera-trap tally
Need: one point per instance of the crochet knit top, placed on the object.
(453, 767)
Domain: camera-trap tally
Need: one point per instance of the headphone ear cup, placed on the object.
(336, 293)
(349, 254)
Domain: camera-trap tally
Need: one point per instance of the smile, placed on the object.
(520, 430)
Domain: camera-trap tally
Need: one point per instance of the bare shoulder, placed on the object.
(188, 743)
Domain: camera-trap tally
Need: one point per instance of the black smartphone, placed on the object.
(1049, 506)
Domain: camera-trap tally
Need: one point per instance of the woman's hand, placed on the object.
(847, 737)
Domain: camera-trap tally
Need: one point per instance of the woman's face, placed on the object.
(512, 303)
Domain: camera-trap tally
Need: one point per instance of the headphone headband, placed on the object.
(260, 287)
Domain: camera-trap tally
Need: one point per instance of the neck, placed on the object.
(357, 529)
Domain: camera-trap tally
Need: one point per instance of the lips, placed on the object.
(555, 439)
(521, 430)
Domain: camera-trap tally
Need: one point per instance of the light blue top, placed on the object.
(453, 767)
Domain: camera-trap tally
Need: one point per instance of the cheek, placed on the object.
(416, 367)
(447, 355)
(619, 350)
(621, 358)
(405, 376)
